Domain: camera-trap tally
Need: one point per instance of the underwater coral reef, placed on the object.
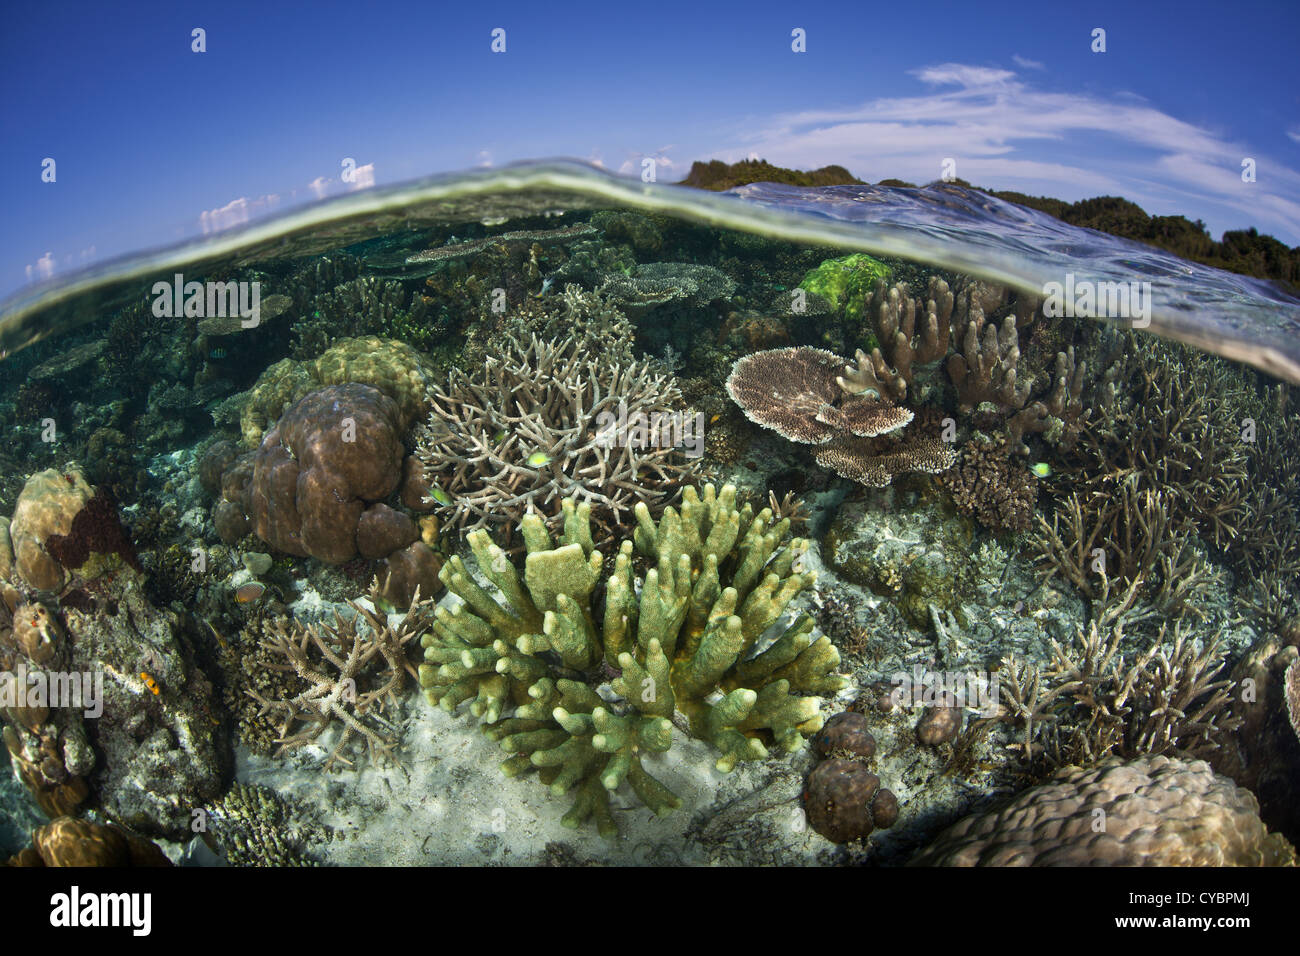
(749, 551)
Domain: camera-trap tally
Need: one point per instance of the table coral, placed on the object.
(814, 397)
(691, 643)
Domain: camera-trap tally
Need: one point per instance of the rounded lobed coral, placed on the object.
(683, 642)
(390, 366)
(1153, 811)
(844, 801)
(48, 504)
(308, 490)
(552, 420)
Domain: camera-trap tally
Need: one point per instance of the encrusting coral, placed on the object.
(692, 640)
(549, 420)
(815, 397)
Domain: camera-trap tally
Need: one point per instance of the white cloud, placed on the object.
(43, 269)
(319, 186)
(1006, 134)
(363, 177)
(1025, 63)
(235, 213)
(1294, 133)
(664, 165)
(485, 158)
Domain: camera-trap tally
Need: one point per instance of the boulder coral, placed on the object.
(695, 641)
(390, 366)
(331, 459)
(1156, 812)
(47, 506)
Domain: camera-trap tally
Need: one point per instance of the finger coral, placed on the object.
(694, 641)
(549, 420)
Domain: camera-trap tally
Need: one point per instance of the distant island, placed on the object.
(1243, 251)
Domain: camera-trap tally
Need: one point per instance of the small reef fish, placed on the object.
(440, 496)
(217, 354)
(150, 683)
(250, 592)
(1041, 469)
(538, 459)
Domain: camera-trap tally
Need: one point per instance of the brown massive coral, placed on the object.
(815, 397)
(550, 420)
(1148, 812)
(392, 367)
(329, 462)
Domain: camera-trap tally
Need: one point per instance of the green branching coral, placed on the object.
(682, 644)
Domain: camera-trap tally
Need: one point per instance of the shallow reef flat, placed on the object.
(606, 537)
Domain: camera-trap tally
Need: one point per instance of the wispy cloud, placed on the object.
(1005, 133)
(363, 177)
(1025, 63)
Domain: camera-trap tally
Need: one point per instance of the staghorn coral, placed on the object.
(988, 485)
(1100, 698)
(542, 422)
(1131, 537)
(1156, 811)
(353, 669)
(679, 644)
(364, 306)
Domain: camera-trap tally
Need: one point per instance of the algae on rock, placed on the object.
(691, 640)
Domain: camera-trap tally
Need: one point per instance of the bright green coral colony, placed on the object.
(846, 282)
(681, 643)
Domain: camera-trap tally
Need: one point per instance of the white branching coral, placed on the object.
(552, 420)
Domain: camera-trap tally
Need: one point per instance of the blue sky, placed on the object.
(155, 143)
